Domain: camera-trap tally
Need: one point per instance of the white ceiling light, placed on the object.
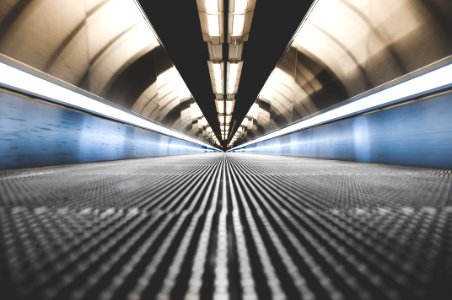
(240, 6)
(211, 19)
(220, 106)
(213, 25)
(233, 77)
(240, 17)
(238, 22)
(230, 106)
(216, 76)
(211, 6)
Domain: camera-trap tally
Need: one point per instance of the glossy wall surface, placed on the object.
(38, 133)
(417, 133)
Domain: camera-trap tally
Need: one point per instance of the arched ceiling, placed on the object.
(105, 47)
(178, 26)
(345, 48)
(342, 49)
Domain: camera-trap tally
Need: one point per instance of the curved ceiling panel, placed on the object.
(344, 48)
(106, 47)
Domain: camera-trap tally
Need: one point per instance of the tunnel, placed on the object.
(225, 149)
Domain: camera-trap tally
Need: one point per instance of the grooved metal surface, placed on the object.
(226, 226)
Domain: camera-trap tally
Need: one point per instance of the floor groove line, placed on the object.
(225, 226)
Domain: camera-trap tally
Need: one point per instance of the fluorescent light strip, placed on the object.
(213, 25)
(211, 6)
(238, 24)
(432, 80)
(240, 6)
(216, 76)
(229, 107)
(220, 106)
(23, 81)
(234, 70)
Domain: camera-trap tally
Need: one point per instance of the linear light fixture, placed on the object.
(240, 6)
(224, 119)
(230, 106)
(233, 77)
(430, 81)
(220, 106)
(213, 25)
(211, 15)
(240, 17)
(237, 25)
(221, 119)
(212, 6)
(216, 76)
(211, 19)
(16, 79)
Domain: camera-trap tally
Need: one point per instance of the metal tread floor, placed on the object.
(226, 226)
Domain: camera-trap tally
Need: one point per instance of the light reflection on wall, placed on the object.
(162, 96)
